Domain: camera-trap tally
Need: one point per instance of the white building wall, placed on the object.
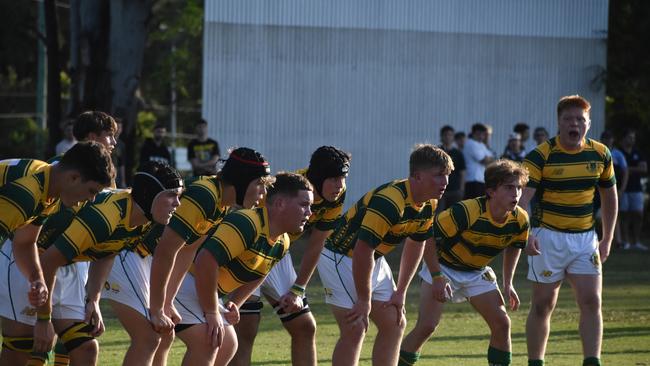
(287, 78)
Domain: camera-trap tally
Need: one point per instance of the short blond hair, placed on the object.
(425, 156)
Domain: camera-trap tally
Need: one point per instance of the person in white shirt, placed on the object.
(68, 140)
(477, 157)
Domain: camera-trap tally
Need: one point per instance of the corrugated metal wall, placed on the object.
(375, 91)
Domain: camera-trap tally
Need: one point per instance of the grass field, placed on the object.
(462, 337)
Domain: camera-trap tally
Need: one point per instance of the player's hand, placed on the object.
(359, 314)
(215, 329)
(43, 336)
(441, 289)
(37, 293)
(603, 249)
(532, 247)
(160, 322)
(291, 303)
(232, 315)
(397, 300)
(173, 314)
(94, 318)
(513, 298)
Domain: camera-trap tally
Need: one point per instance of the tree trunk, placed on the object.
(53, 77)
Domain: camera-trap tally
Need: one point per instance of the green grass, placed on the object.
(462, 337)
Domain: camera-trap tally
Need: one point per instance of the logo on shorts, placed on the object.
(489, 276)
(113, 287)
(546, 273)
(595, 259)
(29, 311)
(328, 292)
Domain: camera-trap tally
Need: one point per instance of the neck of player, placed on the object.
(498, 211)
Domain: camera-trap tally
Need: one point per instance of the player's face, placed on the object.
(76, 190)
(296, 211)
(165, 204)
(434, 181)
(333, 187)
(254, 193)
(573, 125)
(507, 195)
(106, 138)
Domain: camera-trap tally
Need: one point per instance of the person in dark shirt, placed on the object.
(456, 187)
(155, 149)
(631, 203)
(203, 152)
(514, 151)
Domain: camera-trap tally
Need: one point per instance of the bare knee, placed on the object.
(589, 303)
(85, 351)
(302, 327)
(501, 325)
(148, 340)
(542, 308)
(426, 328)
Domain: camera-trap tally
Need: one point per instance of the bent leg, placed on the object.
(246, 331)
(588, 293)
(17, 342)
(351, 335)
(390, 330)
(81, 345)
(144, 340)
(303, 339)
(538, 324)
(429, 315)
(228, 347)
(491, 307)
(199, 350)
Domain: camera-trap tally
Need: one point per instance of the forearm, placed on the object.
(182, 264)
(26, 252)
(609, 208)
(510, 260)
(206, 279)
(411, 257)
(311, 256)
(363, 264)
(49, 276)
(97, 275)
(240, 295)
(164, 258)
(431, 256)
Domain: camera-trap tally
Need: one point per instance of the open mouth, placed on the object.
(574, 134)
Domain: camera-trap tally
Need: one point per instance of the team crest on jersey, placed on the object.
(546, 273)
(557, 171)
(591, 167)
(29, 311)
(113, 287)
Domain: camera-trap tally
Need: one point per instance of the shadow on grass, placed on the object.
(610, 333)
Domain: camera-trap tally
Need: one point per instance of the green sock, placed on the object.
(535, 362)
(591, 361)
(408, 358)
(61, 357)
(497, 357)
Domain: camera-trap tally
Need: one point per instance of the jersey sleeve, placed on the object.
(231, 237)
(383, 211)
(451, 222)
(534, 162)
(521, 239)
(90, 226)
(607, 178)
(190, 220)
(331, 216)
(17, 205)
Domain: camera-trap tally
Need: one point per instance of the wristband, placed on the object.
(436, 274)
(43, 317)
(297, 290)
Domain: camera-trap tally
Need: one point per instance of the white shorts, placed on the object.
(128, 281)
(68, 297)
(563, 253)
(464, 284)
(279, 280)
(188, 306)
(335, 272)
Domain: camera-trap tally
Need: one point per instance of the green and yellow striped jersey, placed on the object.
(324, 214)
(101, 229)
(468, 238)
(200, 210)
(24, 187)
(566, 182)
(240, 244)
(383, 218)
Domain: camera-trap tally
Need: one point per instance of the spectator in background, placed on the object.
(459, 138)
(523, 130)
(631, 205)
(621, 173)
(514, 150)
(487, 140)
(455, 190)
(155, 149)
(68, 140)
(540, 135)
(477, 157)
(118, 156)
(203, 152)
